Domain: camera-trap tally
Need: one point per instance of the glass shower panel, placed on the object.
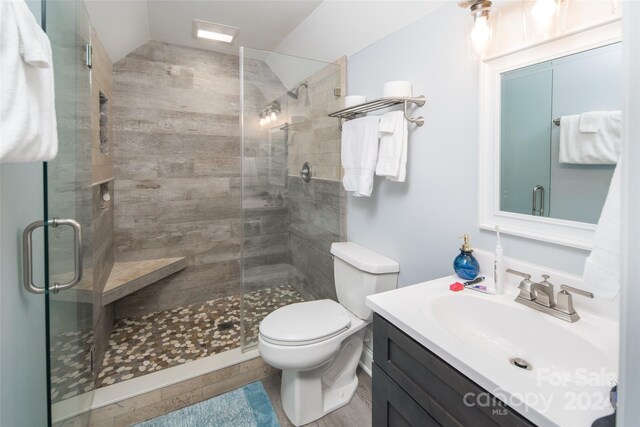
(69, 196)
(288, 224)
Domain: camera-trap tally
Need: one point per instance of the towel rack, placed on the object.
(378, 104)
(556, 121)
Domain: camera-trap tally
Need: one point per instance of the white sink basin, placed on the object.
(571, 365)
(503, 330)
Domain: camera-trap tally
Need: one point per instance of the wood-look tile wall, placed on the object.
(177, 169)
(102, 226)
(317, 210)
(101, 81)
(319, 142)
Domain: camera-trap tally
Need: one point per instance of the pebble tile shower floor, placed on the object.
(144, 344)
(149, 343)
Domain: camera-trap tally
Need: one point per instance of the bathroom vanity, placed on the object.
(473, 359)
(413, 386)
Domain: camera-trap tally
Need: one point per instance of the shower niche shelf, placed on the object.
(379, 104)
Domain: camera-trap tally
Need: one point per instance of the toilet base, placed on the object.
(310, 395)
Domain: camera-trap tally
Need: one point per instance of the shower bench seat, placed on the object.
(128, 277)
(124, 279)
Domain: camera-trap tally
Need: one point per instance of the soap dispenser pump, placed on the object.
(465, 264)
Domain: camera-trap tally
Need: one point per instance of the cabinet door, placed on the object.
(392, 407)
(445, 394)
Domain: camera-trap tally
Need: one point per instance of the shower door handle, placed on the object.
(27, 252)
(534, 202)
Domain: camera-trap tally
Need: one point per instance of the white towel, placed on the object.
(359, 154)
(27, 110)
(590, 122)
(392, 155)
(599, 147)
(602, 267)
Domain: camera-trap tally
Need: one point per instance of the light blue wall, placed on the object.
(418, 223)
(23, 398)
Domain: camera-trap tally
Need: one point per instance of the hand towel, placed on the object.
(27, 110)
(590, 121)
(359, 154)
(601, 147)
(392, 155)
(602, 267)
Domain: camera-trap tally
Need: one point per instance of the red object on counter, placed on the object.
(455, 287)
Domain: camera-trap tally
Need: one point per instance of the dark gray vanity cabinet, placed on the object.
(414, 387)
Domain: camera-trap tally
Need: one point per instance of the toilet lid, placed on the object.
(305, 323)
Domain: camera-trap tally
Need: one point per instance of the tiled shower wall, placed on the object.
(177, 170)
(103, 216)
(317, 209)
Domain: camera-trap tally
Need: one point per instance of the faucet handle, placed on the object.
(567, 289)
(546, 277)
(565, 300)
(525, 285)
(519, 273)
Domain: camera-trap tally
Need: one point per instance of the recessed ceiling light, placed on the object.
(217, 33)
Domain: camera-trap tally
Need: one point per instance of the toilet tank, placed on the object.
(359, 272)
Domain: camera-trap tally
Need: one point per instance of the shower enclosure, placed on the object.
(200, 156)
(288, 223)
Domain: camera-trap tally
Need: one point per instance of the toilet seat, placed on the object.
(305, 323)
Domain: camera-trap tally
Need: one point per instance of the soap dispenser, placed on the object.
(465, 264)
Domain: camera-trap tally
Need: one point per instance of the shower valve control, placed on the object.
(305, 173)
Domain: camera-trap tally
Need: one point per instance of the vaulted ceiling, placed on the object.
(317, 29)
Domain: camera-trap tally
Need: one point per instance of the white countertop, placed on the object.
(478, 351)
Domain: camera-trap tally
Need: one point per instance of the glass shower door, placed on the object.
(288, 224)
(68, 193)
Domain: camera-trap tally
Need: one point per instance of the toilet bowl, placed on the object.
(318, 344)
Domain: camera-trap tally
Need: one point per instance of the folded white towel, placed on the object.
(602, 267)
(600, 147)
(359, 154)
(590, 121)
(27, 110)
(392, 155)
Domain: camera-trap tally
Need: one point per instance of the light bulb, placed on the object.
(543, 10)
(267, 119)
(262, 121)
(481, 34)
(273, 116)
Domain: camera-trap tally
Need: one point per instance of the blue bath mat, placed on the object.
(248, 406)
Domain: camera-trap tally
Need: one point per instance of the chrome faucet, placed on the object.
(540, 296)
(544, 292)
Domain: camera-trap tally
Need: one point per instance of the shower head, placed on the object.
(295, 92)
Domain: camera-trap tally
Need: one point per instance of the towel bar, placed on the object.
(379, 104)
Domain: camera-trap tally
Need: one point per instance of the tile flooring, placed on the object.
(155, 403)
(144, 344)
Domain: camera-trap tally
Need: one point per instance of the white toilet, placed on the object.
(318, 344)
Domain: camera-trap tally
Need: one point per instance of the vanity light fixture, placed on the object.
(270, 113)
(215, 33)
(543, 19)
(480, 26)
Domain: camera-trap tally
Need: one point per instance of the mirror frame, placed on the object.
(559, 231)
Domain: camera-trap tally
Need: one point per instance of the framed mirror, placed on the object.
(537, 178)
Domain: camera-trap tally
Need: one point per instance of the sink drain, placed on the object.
(521, 363)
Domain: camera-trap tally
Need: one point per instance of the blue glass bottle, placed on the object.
(466, 265)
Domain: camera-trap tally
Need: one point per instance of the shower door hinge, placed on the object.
(88, 54)
(92, 360)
